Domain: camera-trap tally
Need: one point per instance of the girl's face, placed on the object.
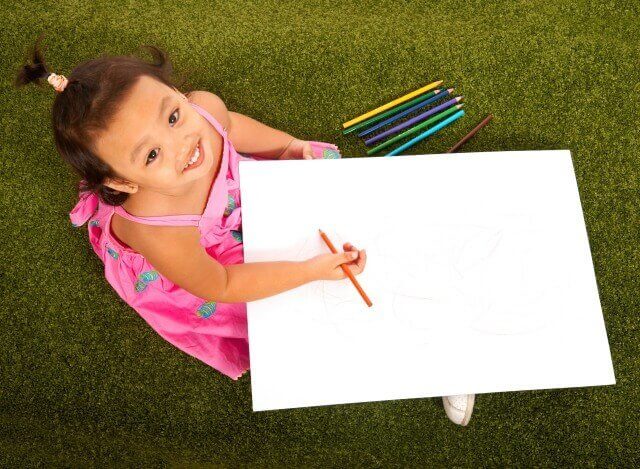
(151, 138)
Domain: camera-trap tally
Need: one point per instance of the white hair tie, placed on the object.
(59, 82)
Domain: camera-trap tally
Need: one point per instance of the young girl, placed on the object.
(160, 190)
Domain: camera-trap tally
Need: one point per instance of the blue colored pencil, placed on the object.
(391, 119)
(426, 134)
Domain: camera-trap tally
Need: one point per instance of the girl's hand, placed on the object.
(327, 266)
(298, 149)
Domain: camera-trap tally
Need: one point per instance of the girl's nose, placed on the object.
(182, 156)
(187, 148)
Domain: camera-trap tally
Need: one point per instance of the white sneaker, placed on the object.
(459, 408)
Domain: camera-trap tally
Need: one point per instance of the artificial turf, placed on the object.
(86, 381)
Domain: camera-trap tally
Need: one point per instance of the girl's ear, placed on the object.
(121, 186)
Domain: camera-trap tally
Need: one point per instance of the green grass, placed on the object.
(85, 380)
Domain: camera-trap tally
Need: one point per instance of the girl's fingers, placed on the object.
(307, 151)
(347, 246)
(356, 265)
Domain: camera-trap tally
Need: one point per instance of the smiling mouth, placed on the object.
(195, 158)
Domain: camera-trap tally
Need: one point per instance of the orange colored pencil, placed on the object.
(346, 270)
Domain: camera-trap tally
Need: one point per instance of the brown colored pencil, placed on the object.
(346, 270)
(467, 137)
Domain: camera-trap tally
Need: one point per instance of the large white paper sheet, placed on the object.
(479, 270)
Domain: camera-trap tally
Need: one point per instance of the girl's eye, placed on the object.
(149, 159)
(177, 110)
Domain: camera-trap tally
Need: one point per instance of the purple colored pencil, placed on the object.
(414, 120)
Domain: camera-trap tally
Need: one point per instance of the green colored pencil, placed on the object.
(415, 129)
(391, 111)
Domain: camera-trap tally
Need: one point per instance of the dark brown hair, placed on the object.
(93, 94)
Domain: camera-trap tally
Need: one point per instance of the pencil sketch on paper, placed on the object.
(422, 283)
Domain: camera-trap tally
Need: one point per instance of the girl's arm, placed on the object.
(253, 137)
(176, 253)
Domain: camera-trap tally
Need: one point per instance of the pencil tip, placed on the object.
(450, 90)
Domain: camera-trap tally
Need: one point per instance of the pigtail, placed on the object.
(160, 59)
(161, 62)
(34, 72)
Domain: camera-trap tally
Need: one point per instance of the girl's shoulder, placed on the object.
(130, 234)
(173, 251)
(142, 238)
(212, 104)
(149, 240)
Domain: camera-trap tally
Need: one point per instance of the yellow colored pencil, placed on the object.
(395, 102)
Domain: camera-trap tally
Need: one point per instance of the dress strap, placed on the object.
(212, 120)
(168, 220)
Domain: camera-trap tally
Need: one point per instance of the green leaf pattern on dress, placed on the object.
(236, 235)
(231, 205)
(112, 253)
(206, 309)
(146, 278)
(329, 154)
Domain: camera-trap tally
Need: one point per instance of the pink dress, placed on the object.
(211, 331)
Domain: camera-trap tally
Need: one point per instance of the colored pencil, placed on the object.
(346, 270)
(394, 118)
(384, 107)
(415, 129)
(467, 137)
(413, 120)
(426, 134)
(391, 111)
